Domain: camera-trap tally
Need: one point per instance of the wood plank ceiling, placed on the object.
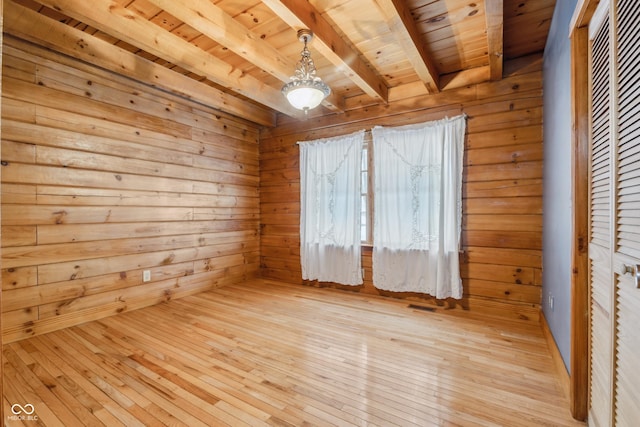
(235, 55)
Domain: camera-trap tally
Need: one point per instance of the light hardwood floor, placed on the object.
(267, 353)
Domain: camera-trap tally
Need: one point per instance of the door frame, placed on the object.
(580, 136)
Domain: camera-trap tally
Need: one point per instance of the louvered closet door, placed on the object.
(615, 214)
(601, 310)
(627, 242)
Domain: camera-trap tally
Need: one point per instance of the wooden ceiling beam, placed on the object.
(401, 23)
(220, 27)
(30, 25)
(216, 24)
(301, 14)
(494, 15)
(126, 25)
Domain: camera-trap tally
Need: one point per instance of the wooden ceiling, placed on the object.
(235, 55)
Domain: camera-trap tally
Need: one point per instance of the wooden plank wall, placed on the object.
(103, 178)
(1, 324)
(502, 230)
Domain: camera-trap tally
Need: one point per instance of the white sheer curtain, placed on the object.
(418, 207)
(330, 209)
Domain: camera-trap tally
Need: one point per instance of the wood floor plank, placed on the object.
(265, 353)
(92, 398)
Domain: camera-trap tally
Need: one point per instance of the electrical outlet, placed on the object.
(146, 275)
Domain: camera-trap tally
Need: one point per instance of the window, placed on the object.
(416, 233)
(366, 191)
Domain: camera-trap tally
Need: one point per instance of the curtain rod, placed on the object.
(368, 131)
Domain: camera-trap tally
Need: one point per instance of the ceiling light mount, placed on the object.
(306, 90)
(305, 35)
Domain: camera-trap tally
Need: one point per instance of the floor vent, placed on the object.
(421, 307)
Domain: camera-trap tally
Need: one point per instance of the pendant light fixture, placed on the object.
(305, 91)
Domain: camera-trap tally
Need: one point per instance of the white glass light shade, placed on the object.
(305, 95)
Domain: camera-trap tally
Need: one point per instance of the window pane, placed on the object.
(365, 214)
(363, 218)
(365, 158)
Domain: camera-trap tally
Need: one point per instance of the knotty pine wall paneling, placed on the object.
(1, 341)
(502, 190)
(102, 178)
